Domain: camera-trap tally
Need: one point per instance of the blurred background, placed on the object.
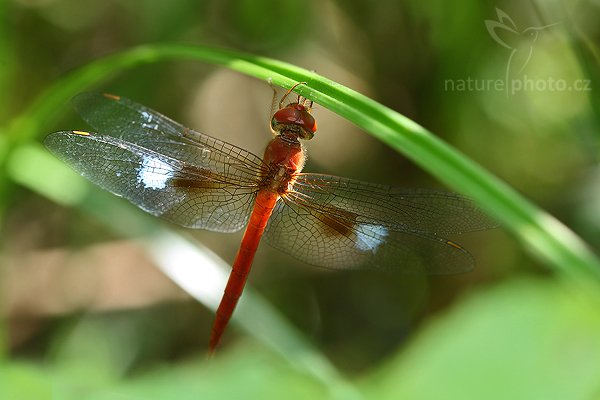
(85, 312)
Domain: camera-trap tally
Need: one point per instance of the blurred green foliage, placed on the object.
(508, 330)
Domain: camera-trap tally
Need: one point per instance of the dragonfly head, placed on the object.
(295, 119)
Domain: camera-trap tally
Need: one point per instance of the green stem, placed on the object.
(537, 231)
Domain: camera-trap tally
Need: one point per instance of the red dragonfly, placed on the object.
(197, 181)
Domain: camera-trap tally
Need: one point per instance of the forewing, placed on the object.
(183, 193)
(430, 212)
(346, 224)
(124, 119)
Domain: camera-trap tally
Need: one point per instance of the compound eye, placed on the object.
(308, 122)
(295, 114)
(287, 115)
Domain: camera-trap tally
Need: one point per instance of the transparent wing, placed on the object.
(346, 224)
(124, 119)
(188, 194)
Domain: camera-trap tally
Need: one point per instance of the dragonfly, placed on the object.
(197, 181)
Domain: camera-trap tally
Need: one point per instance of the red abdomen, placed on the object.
(284, 158)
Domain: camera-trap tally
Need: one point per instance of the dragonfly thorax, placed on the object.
(294, 119)
(284, 159)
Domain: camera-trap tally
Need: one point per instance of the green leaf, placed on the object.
(521, 340)
(24, 381)
(238, 375)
